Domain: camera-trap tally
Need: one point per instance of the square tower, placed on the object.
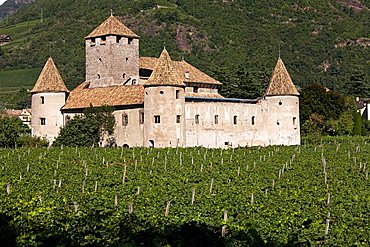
(112, 55)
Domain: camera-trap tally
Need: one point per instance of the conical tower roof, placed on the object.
(49, 79)
(165, 73)
(112, 26)
(281, 83)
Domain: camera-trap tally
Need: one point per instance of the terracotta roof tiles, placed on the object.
(185, 70)
(83, 96)
(49, 79)
(165, 72)
(112, 26)
(281, 83)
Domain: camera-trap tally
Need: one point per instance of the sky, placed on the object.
(2, 1)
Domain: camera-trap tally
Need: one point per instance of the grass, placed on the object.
(18, 78)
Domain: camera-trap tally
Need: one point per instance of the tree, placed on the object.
(11, 129)
(89, 129)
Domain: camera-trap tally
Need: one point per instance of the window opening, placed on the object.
(197, 119)
(141, 117)
(129, 41)
(157, 119)
(124, 119)
(216, 119)
(98, 76)
(178, 118)
(196, 89)
(177, 94)
(161, 92)
(118, 39)
(235, 119)
(294, 120)
(253, 120)
(280, 103)
(42, 121)
(42, 100)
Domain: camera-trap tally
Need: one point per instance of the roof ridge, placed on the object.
(112, 26)
(165, 72)
(281, 83)
(50, 79)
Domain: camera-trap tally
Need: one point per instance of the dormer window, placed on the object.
(187, 74)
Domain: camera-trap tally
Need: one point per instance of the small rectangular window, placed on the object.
(178, 118)
(129, 41)
(42, 100)
(216, 119)
(197, 119)
(235, 119)
(294, 120)
(195, 89)
(124, 119)
(177, 94)
(253, 120)
(42, 121)
(157, 119)
(141, 117)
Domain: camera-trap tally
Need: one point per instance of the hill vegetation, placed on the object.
(237, 42)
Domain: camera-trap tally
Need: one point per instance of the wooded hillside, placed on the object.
(237, 42)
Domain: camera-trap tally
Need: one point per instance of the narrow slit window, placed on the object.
(42, 100)
(177, 94)
(216, 119)
(141, 117)
(294, 120)
(124, 119)
(178, 118)
(235, 120)
(253, 120)
(157, 119)
(197, 119)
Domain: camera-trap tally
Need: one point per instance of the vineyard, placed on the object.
(309, 195)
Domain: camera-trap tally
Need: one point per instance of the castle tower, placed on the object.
(112, 55)
(282, 123)
(48, 97)
(164, 106)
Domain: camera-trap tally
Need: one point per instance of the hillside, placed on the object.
(237, 42)
(9, 7)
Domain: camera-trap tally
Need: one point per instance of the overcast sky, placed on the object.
(2, 1)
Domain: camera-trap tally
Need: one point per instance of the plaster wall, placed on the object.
(50, 111)
(243, 124)
(162, 102)
(132, 133)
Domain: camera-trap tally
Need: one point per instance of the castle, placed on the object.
(159, 102)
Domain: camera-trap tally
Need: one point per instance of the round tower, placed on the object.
(48, 97)
(282, 117)
(164, 106)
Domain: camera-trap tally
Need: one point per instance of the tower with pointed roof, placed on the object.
(112, 55)
(282, 99)
(164, 105)
(48, 97)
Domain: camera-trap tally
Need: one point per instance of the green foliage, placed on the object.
(118, 197)
(222, 34)
(89, 129)
(326, 112)
(32, 141)
(11, 129)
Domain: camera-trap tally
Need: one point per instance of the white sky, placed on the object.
(2, 1)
